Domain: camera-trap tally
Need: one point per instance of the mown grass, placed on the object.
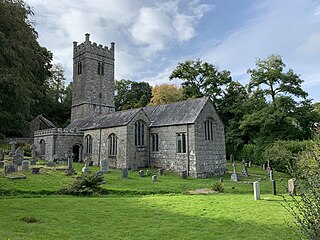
(216, 216)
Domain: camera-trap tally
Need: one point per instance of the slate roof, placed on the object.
(48, 123)
(175, 113)
(184, 112)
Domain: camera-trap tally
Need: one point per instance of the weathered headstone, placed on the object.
(70, 159)
(271, 175)
(141, 173)
(256, 191)
(86, 169)
(234, 176)
(244, 172)
(231, 158)
(264, 167)
(184, 174)
(292, 186)
(11, 168)
(104, 165)
(12, 144)
(1, 155)
(160, 171)
(35, 170)
(250, 164)
(17, 159)
(19, 151)
(154, 178)
(124, 172)
(274, 190)
(25, 165)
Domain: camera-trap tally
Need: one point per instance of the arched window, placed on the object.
(208, 129)
(42, 147)
(112, 144)
(88, 145)
(139, 133)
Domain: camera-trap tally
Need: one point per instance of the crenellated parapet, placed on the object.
(51, 131)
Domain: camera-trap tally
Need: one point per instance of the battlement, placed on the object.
(92, 47)
(57, 131)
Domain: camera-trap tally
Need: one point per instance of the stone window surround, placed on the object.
(155, 142)
(209, 129)
(88, 144)
(139, 133)
(181, 142)
(112, 145)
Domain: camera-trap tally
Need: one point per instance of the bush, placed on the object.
(218, 187)
(86, 184)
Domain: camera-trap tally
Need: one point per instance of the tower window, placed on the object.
(79, 68)
(102, 69)
(99, 68)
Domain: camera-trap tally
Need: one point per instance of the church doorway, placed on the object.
(76, 150)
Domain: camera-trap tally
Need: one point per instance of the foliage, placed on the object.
(278, 156)
(201, 79)
(248, 153)
(24, 66)
(86, 184)
(130, 94)
(306, 208)
(26, 148)
(217, 186)
(165, 93)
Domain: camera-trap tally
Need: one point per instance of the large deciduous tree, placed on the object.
(24, 66)
(166, 93)
(130, 94)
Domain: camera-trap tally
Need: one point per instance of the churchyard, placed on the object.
(137, 207)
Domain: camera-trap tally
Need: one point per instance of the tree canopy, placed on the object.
(165, 93)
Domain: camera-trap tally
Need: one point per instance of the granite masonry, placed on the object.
(186, 136)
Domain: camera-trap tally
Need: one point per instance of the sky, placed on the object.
(152, 36)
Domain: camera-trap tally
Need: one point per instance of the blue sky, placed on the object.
(152, 36)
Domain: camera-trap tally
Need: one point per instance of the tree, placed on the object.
(165, 93)
(24, 66)
(130, 94)
(201, 79)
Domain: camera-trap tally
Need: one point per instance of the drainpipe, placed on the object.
(99, 147)
(188, 154)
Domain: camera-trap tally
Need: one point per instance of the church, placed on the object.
(183, 136)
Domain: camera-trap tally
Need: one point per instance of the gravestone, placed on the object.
(19, 151)
(104, 165)
(141, 173)
(292, 188)
(35, 170)
(12, 144)
(184, 174)
(274, 190)
(1, 155)
(256, 191)
(51, 164)
(154, 178)
(11, 168)
(231, 158)
(234, 176)
(134, 167)
(86, 169)
(25, 165)
(160, 171)
(264, 167)
(33, 160)
(17, 159)
(55, 158)
(244, 172)
(250, 164)
(124, 172)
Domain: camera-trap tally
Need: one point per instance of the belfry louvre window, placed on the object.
(112, 143)
(181, 143)
(139, 133)
(208, 130)
(155, 142)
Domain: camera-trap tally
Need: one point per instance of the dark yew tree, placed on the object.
(24, 66)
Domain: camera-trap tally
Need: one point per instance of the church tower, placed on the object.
(93, 79)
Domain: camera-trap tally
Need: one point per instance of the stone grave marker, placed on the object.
(184, 174)
(124, 172)
(11, 168)
(141, 173)
(244, 172)
(17, 159)
(86, 169)
(1, 155)
(256, 191)
(250, 164)
(274, 190)
(292, 188)
(234, 176)
(264, 167)
(104, 165)
(12, 144)
(25, 165)
(271, 175)
(154, 178)
(33, 160)
(19, 151)
(160, 171)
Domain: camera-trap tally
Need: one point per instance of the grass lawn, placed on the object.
(138, 208)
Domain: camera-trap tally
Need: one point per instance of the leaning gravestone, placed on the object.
(292, 186)
(25, 165)
(124, 172)
(184, 174)
(1, 155)
(234, 176)
(154, 178)
(104, 165)
(141, 173)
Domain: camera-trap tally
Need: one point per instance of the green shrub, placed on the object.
(218, 187)
(86, 184)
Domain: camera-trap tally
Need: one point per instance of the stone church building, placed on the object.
(187, 135)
